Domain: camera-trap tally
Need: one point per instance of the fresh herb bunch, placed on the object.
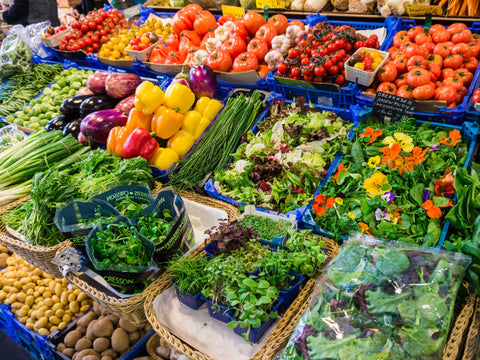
(129, 208)
(118, 245)
(189, 273)
(275, 267)
(229, 236)
(96, 172)
(154, 228)
(250, 255)
(266, 228)
(305, 251)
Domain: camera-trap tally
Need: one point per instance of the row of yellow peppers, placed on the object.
(168, 115)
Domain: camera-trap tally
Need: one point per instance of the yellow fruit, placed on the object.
(359, 66)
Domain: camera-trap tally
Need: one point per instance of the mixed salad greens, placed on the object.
(380, 301)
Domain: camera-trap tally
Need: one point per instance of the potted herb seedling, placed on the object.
(227, 237)
(188, 275)
(305, 251)
(251, 255)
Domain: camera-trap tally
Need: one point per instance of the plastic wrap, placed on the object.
(9, 136)
(33, 34)
(379, 300)
(15, 55)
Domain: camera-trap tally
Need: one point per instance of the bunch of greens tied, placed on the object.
(95, 173)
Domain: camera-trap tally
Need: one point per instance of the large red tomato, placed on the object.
(173, 41)
(259, 47)
(462, 49)
(234, 46)
(253, 21)
(204, 22)
(416, 61)
(400, 39)
(387, 73)
(435, 59)
(441, 35)
(435, 71)
(400, 63)
(446, 93)
(219, 60)
(442, 50)
(184, 18)
(454, 82)
(387, 87)
(174, 58)
(405, 91)
(266, 32)
(280, 22)
(476, 96)
(465, 75)
(413, 32)
(474, 49)
(422, 38)
(245, 61)
(418, 77)
(453, 61)
(436, 27)
(239, 29)
(456, 28)
(424, 92)
(470, 64)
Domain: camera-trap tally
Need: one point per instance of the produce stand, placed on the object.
(192, 143)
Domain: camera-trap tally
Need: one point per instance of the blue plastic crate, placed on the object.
(219, 312)
(6, 322)
(468, 130)
(289, 295)
(347, 93)
(472, 114)
(255, 335)
(352, 114)
(454, 116)
(193, 301)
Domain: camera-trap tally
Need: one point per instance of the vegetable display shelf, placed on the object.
(449, 116)
(472, 114)
(346, 95)
(352, 114)
(468, 130)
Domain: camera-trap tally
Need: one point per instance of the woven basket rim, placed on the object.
(470, 349)
(151, 346)
(277, 338)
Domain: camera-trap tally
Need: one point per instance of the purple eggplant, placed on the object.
(57, 123)
(96, 82)
(181, 77)
(126, 104)
(96, 103)
(202, 81)
(120, 85)
(82, 139)
(73, 128)
(71, 107)
(97, 125)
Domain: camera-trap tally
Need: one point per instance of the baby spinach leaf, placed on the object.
(419, 344)
(432, 309)
(379, 302)
(408, 311)
(390, 262)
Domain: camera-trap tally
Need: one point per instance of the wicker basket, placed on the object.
(152, 345)
(132, 308)
(277, 338)
(470, 351)
(39, 256)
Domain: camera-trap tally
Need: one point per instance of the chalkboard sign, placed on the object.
(392, 106)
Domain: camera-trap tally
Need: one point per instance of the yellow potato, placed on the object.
(62, 325)
(12, 298)
(57, 307)
(67, 318)
(54, 328)
(73, 307)
(29, 292)
(49, 313)
(42, 322)
(59, 313)
(21, 297)
(56, 299)
(58, 289)
(47, 294)
(37, 272)
(30, 300)
(29, 325)
(48, 302)
(84, 308)
(54, 320)
(81, 296)
(17, 305)
(43, 331)
(64, 298)
(23, 319)
(71, 297)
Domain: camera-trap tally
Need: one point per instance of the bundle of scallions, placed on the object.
(39, 151)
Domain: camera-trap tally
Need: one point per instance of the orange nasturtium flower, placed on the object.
(418, 155)
(453, 137)
(318, 205)
(372, 134)
(364, 228)
(340, 168)
(330, 202)
(445, 185)
(433, 211)
(391, 153)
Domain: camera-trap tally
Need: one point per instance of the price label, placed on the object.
(392, 107)
(236, 11)
(421, 10)
(273, 4)
(132, 11)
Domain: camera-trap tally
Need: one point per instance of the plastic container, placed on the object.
(454, 116)
(468, 130)
(323, 94)
(288, 296)
(193, 301)
(55, 40)
(6, 322)
(255, 335)
(219, 312)
(360, 76)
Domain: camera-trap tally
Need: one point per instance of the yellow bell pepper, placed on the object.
(192, 119)
(179, 97)
(164, 158)
(148, 97)
(202, 104)
(202, 125)
(137, 118)
(166, 122)
(181, 143)
(212, 109)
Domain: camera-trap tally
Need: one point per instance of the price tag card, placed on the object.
(132, 11)
(392, 106)
(236, 11)
(273, 4)
(421, 10)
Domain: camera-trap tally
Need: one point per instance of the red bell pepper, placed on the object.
(139, 143)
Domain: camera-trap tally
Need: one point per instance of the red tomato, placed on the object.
(454, 82)
(442, 50)
(260, 48)
(428, 46)
(456, 28)
(173, 41)
(223, 19)
(219, 60)
(298, 23)
(435, 28)
(387, 73)
(239, 29)
(476, 96)
(446, 93)
(462, 49)
(435, 71)
(280, 22)
(394, 52)
(405, 91)
(174, 58)
(253, 21)
(413, 32)
(464, 36)
(401, 80)
(400, 39)
(446, 73)
(474, 49)
(244, 62)
(181, 22)
(412, 50)
(266, 32)
(470, 64)
(204, 22)
(418, 77)
(453, 61)
(422, 38)
(465, 75)
(424, 92)
(416, 61)
(387, 87)
(440, 36)
(234, 46)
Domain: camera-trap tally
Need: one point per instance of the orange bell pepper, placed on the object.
(137, 118)
(166, 122)
(116, 139)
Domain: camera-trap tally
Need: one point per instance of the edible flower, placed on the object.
(376, 184)
(318, 205)
(351, 215)
(391, 153)
(445, 186)
(374, 161)
(340, 168)
(402, 139)
(372, 134)
(418, 155)
(433, 211)
(381, 215)
(364, 228)
(453, 137)
(339, 201)
(388, 197)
